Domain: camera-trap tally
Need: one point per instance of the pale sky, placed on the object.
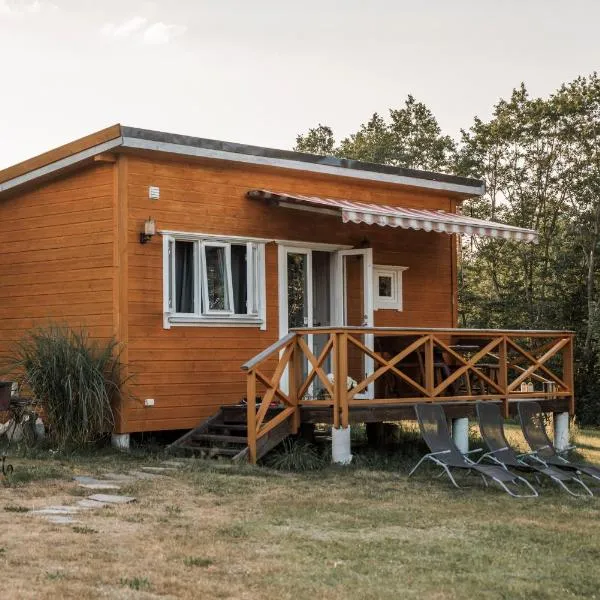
(261, 71)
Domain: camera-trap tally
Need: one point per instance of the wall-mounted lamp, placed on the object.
(149, 230)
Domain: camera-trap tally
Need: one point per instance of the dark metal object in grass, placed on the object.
(445, 454)
(5, 390)
(20, 411)
(7, 470)
(491, 426)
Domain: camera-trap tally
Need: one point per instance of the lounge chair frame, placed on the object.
(543, 450)
(500, 452)
(443, 447)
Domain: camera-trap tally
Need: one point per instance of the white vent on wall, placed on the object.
(153, 192)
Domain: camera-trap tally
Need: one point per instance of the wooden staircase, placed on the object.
(224, 435)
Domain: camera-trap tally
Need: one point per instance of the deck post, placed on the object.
(295, 372)
(340, 446)
(568, 370)
(340, 432)
(503, 374)
(561, 431)
(460, 433)
(343, 381)
(251, 415)
(120, 441)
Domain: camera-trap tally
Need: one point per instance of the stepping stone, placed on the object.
(55, 510)
(100, 485)
(142, 475)
(85, 479)
(112, 499)
(92, 483)
(90, 504)
(118, 477)
(158, 469)
(61, 520)
(172, 463)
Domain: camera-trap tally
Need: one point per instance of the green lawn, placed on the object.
(214, 530)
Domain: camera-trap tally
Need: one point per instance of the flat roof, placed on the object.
(119, 137)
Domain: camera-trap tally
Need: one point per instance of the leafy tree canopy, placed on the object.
(540, 159)
(411, 138)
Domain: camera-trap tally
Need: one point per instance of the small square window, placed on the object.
(387, 287)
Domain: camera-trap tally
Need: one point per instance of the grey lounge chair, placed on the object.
(491, 426)
(445, 454)
(543, 450)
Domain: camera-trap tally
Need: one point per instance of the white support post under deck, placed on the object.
(561, 430)
(460, 433)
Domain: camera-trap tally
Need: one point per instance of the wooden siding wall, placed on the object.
(56, 258)
(191, 371)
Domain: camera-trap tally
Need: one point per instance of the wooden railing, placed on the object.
(418, 365)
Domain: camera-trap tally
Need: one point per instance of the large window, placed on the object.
(212, 280)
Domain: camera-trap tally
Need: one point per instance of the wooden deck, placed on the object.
(378, 413)
(386, 371)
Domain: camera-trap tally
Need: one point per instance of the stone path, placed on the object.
(65, 515)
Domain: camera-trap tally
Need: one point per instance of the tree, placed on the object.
(524, 160)
(541, 162)
(540, 159)
(318, 140)
(412, 138)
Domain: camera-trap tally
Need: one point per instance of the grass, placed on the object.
(34, 472)
(295, 456)
(16, 509)
(366, 531)
(197, 561)
(137, 583)
(84, 530)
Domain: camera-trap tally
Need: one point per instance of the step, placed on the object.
(213, 451)
(229, 426)
(230, 439)
(237, 413)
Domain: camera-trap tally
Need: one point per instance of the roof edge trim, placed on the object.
(60, 164)
(137, 143)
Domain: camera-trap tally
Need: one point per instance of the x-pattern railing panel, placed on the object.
(316, 364)
(272, 385)
(551, 349)
(387, 365)
(468, 365)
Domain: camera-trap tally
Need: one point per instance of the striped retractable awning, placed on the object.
(396, 216)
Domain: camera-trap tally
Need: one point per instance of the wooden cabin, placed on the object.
(233, 273)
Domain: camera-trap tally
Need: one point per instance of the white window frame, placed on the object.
(395, 301)
(255, 276)
(204, 244)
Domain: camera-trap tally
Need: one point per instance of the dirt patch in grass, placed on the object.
(215, 530)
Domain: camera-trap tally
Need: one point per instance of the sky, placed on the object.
(262, 71)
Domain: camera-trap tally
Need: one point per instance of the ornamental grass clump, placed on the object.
(73, 378)
(296, 455)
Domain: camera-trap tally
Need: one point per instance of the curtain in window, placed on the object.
(184, 277)
(239, 277)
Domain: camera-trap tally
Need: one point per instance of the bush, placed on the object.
(296, 455)
(73, 378)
